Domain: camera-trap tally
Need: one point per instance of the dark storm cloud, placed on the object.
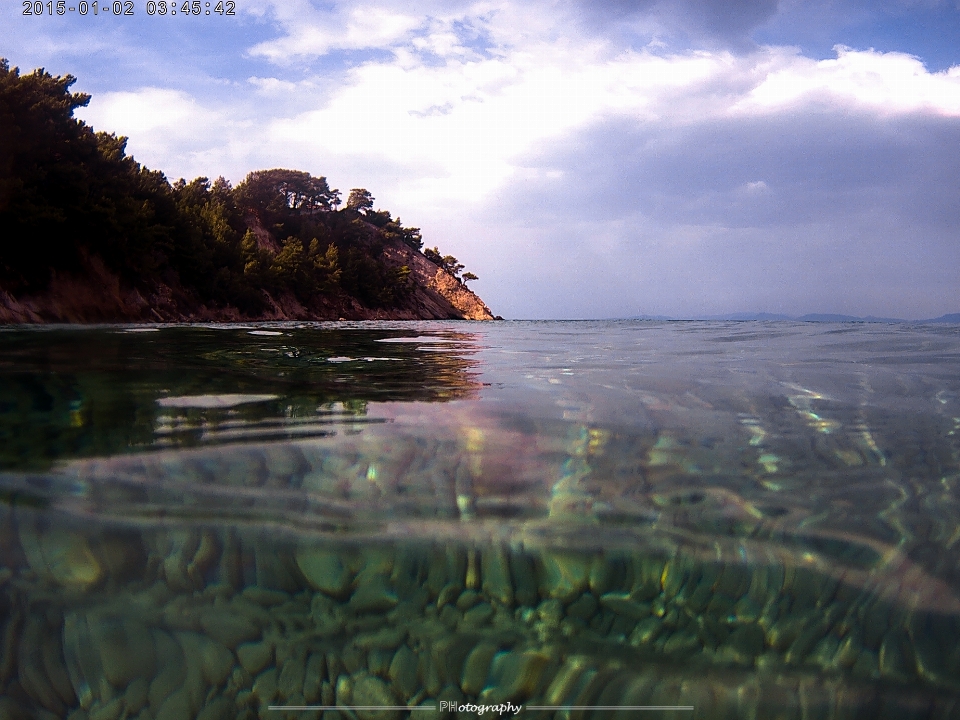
(710, 22)
(763, 171)
(731, 20)
(928, 29)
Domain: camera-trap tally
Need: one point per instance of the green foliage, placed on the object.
(410, 236)
(273, 193)
(452, 265)
(289, 265)
(256, 260)
(433, 255)
(360, 199)
(326, 265)
(306, 271)
(36, 116)
(448, 263)
(67, 193)
(371, 281)
(378, 218)
(403, 279)
(43, 178)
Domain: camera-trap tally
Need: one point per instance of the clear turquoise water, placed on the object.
(721, 519)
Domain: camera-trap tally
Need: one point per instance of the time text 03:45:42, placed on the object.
(128, 7)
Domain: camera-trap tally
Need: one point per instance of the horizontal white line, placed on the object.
(350, 707)
(608, 707)
(433, 707)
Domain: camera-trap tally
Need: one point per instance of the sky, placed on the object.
(584, 158)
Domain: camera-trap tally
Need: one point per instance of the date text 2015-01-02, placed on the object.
(128, 7)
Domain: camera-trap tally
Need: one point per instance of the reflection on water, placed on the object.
(731, 520)
(83, 392)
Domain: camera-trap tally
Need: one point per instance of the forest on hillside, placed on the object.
(69, 194)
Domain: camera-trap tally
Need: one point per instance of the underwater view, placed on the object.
(567, 520)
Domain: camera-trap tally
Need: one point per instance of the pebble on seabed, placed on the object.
(385, 626)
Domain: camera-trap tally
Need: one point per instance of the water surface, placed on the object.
(723, 519)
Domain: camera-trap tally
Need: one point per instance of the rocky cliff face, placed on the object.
(437, 293)
(98, 295)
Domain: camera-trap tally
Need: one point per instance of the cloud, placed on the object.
(308, 30)
(885, 82)
(462, 123)
(363, 26)
(806, 209)
(716, 23)
(169, 130)
(151, 111)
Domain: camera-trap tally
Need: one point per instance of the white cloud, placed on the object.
(172, 131)
(150, 111)
(466, 122)
(472, 118)
(313, 34)
(271, 86)
(881, 82)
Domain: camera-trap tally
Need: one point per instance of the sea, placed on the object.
(375, 521)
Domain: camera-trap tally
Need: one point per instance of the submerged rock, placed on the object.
(563, 576)
(496, 579)
(255, 656)
(64, 557)
(325, 571)
(373, 697)
(403, 672)
(515, 676)
(476, 668)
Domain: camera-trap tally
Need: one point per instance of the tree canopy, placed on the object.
(69, 194)
(360, 199)
(279, 190)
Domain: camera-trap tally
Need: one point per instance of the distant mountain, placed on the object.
(752, 316)
(832, 317)
(810, 317)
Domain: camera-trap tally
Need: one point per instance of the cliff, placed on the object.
(437, 293)
(96, 294)
(90, 235)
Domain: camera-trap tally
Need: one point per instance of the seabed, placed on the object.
(105, 618)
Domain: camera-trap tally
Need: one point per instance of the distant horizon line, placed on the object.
(762, 317)
(807, 317)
